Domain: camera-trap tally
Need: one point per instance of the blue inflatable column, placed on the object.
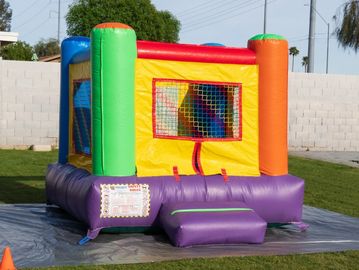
(69, 48)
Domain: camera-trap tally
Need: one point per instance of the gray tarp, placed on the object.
(41, 235)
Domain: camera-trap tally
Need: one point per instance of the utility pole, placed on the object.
(265, 18)
(328, 31)
(328, 34)
(58, 22)
(311, 36)
(327, 69)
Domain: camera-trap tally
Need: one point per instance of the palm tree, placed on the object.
(293, 51)
(305, 62)
(347, 30)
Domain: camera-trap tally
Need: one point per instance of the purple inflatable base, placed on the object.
(276, 199)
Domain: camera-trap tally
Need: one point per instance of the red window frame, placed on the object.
(187, 138)
(72, 120)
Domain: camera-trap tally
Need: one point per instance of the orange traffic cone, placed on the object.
(7, 263)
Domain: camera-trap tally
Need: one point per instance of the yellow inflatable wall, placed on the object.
(158, 156)
(78, 72)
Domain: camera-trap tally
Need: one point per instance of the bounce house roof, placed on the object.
(184, 52)
(194, 53)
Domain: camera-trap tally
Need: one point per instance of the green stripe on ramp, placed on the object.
(209, 210)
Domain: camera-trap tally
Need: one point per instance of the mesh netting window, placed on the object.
(81, 124)
(196, 110)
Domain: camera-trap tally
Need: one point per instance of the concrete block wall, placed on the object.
(29, 102)
(323, 112)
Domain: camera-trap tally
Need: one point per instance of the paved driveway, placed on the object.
(341, 157)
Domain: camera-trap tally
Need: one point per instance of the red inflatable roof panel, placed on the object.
(195, 53)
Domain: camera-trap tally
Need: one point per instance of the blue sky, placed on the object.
(231, 22)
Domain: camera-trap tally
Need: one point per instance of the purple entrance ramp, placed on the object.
(201, 223)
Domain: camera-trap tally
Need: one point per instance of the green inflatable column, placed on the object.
(113, 55)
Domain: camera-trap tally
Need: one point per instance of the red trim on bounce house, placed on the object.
(195, 81)
(199, 158)
(196, 158)
(240, 114)
(195, 53)
(154, 131)
(72, 120)
(224, 174)
(187, 138)
(175, 173)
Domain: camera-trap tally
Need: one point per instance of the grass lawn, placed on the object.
(22, 177)
(342, 260)
(330, 186)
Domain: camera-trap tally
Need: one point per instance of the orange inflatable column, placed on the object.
(272, 59)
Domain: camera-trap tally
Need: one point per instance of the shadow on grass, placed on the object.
(22, 189)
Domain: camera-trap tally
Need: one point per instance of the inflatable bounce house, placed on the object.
(191, 139)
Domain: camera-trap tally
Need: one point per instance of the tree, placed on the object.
(141, 15)
(47, 47)
(5, 16)
(293, 51)
(305, 62)
(17, 51)
(347, 30)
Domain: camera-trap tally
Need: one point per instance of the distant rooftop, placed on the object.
(8, 37)
(52, 58)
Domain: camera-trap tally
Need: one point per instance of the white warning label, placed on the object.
(125, 200)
